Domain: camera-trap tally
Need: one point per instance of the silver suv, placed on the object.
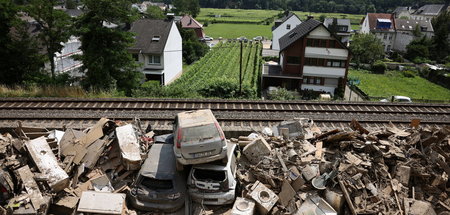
(198, 138)
(158, 185)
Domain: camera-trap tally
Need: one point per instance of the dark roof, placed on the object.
(429, 9)
(145, 30)
(281, 21)
(74, 12)
(410, 25)
(160, 162)
(298, 32)
(400, 9)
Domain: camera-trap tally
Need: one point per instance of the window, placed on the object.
(342, 28)
(336, 64)
(288, 26)
(333, 44)
(154, 59)
(317, 80)
(156, 38)
(293, 60)
(135, 57)
(309, 42)
(385, 36)
(313, 80)
(316, 43)
(390, 37)
(389, 47)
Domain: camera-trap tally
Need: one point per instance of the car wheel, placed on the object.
(179, 166)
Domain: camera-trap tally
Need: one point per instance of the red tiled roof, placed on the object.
(374, 16)
(189, 22)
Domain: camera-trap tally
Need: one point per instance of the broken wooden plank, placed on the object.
(95, 133)
(285, 169)
(129, 147)
(31, 187)
(47, 164)
(318, 154)
(101, 202)
(347, 196)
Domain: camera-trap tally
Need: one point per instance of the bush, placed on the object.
(408, 74)
(280, 94)
(379, 67)
(149, 89)
(225, 88)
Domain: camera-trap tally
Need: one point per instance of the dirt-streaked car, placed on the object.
(198, 138)
(214, 183)
(158, 185)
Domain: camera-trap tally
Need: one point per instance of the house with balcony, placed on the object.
(341, 27)
(382, 25)
(311, 58)
(282, 27)
(157, 49)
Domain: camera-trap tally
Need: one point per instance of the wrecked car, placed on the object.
(158, 185)
(198, 138)
(214, 184)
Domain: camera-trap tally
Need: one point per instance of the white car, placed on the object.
(207, 38)
(214, 184)
(397, 99)
(198, 138)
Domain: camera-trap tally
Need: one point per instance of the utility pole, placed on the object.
(240, 72)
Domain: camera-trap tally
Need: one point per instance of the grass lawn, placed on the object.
(233, 31)
(235, 15)
(394, 83)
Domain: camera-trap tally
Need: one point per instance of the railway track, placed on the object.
(232, 114)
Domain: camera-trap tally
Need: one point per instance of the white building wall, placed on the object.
(365, 29)
(173, 56)
(387, 38)
(319, 71)
(281, 31)
(320, 33)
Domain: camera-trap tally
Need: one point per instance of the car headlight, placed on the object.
(174, 196)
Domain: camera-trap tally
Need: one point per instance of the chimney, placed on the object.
(309, 17)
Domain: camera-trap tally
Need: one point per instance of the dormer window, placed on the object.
(156, 38)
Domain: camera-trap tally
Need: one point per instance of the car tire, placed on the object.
(179, 166)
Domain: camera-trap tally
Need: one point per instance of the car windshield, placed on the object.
(156, 184)
(199, 133)
(209, 175)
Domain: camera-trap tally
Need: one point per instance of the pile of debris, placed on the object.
(295, 168)
(53, 172)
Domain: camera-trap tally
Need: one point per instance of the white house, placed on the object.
(382, 25)
(158, 49)
(427, 12)
(405, 32)
(282, 27)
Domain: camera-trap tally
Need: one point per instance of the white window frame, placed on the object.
(152, 59)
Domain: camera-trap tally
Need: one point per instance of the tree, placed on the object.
(106, 61)
(441, 26)
(192, 48)
(191, 7)
(154, 12)
(366, 48)
(55, 26)
(19, 52)
(417, 50)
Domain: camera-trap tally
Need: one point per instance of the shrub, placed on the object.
(225, 88)
(408, 74)
(379, 67)
(281, 94)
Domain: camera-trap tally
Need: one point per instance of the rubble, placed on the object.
(293, 168)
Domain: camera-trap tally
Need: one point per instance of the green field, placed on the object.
(234, 15)
(222, 64)
(394, 83)
(234, 23)
(233, 31)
